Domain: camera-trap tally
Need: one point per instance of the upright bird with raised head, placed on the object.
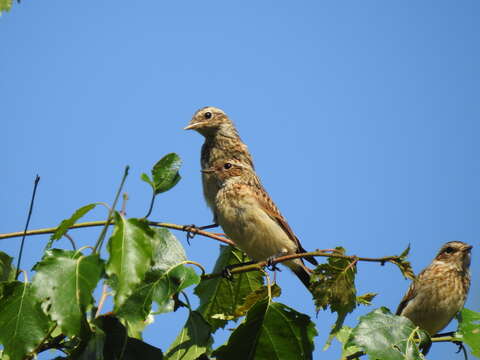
(250, 218)
(440, 290)
(222, 143)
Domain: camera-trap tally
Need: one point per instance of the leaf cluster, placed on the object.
(146, 272)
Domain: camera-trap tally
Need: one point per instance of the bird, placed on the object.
(222, 142)
(440, 290)
(250, 218)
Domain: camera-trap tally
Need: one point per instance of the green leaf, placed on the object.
(333, 286)
(383, 335)
(469, 330)
(23, 325)
(130, 248)
(342, 336)
(167, 277)
(404, 265)
(193, 340)
(165, 173)
(95, 346)
(167, 250)
(220, 296)
(7, 271)
(146, 178)
(117, 345)
(64, 281)
(270, 331)
(5, 5)
(258, 295)
(67, 223)
(366, 299)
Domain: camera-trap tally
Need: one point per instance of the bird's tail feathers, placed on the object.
(302, 272)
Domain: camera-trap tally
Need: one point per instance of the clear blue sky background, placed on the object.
(362, 117)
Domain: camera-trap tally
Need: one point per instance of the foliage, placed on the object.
(469, 330)
(333, 286)
(380, 328)
(270, 331)
(146, 271)
(5, 5)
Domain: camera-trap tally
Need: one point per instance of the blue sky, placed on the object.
(362, 118)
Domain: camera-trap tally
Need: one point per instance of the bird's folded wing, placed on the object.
(411, 293)
(271, 209)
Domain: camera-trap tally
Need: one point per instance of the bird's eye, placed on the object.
(449, 250)
(227, 166)
(208, 115)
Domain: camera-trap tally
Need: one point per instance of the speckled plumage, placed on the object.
(222, 142)
(440, 290)
(250, 218)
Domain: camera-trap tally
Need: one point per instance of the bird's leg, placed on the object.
(426, 347)
(461, 347)
(270, 265)
(193, 229)
(227, 271)
(458, 343)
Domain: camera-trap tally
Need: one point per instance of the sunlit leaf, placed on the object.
(383, 335)
(130, 248)
(256, 296)
(223, 296)
(333, 286)
(469, 330)
(23, 324)
(366, 299)
(5, 5)
(166, 277)
(404, 265)
(165, 173)
(192, 341)
(65, 281)
(342, 336)
(65, 224)
(270, 331)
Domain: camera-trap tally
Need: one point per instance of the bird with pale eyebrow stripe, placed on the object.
(251, 219)
(222, 143)
(440, 290)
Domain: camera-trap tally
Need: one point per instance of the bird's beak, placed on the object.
(189, 127)
(208, 170)
(194, 126)
(467, 248)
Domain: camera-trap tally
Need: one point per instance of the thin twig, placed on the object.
(123, 210)
(320, 253)
(151, 204)
(102, 299)
(32, 200)
(354, 355)
(184, 228)
(71, 241)
(99, 243)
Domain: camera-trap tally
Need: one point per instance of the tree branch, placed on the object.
(184, 228)
(320, 253)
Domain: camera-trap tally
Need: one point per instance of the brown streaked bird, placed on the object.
(222, 143)
(440, 290)
(250, 218)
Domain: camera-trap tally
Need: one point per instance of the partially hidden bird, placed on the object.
(222, 142)
(251, 219)
(440, 290)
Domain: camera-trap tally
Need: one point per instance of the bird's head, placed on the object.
(456, 253)
(210, 120)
